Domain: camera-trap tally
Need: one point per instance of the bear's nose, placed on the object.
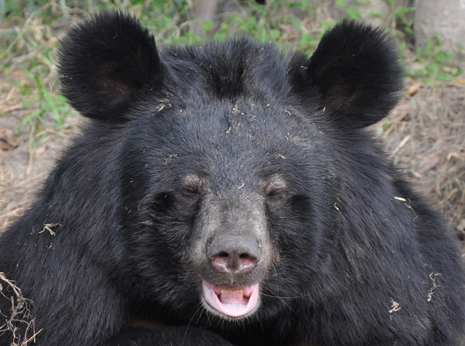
(234, 254)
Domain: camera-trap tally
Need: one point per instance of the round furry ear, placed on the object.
(357, 73)
(104, 62)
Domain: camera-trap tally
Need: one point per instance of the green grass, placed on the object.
(434, 63)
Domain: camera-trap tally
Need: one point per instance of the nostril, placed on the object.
(234, 254)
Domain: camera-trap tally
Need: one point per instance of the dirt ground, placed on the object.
(26, 160)
(426, 140)
(424, 135)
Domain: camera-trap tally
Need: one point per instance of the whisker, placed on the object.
(192, 318)
(283, 297)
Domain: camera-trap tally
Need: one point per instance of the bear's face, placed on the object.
(226, 157)
(224, 187)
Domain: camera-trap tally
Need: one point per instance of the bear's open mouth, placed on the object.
(231, 301)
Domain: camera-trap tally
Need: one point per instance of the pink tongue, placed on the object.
(231, 301)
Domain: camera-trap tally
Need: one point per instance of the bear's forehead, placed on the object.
(242, 123)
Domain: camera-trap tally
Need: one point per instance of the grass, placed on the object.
(434, 63)
(20, 314)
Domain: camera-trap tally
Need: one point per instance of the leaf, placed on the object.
(402, 10)
(353, 13)
(275, 34)
(296, 23)
(375, 14)
(208, 26)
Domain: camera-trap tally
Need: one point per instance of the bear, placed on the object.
(229, 193)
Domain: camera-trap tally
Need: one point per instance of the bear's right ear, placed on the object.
(104, 62)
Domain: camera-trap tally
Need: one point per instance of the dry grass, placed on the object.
(426, 139)
(23, 169)
(19, 315)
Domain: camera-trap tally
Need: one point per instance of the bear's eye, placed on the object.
(275, 188)
(192, 186)
(192, 190)
(276, 195)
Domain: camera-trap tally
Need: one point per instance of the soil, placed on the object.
(424, 135)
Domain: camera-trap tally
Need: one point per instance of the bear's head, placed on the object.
(229, 157)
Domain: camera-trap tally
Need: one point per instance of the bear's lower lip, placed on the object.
(231, 301)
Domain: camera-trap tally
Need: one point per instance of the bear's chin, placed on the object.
(231, 302)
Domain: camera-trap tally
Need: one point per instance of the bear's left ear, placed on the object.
(356, 72)
(104, 62)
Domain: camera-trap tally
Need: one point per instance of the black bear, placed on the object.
(231, 193)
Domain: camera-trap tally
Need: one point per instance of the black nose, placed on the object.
(234, 254)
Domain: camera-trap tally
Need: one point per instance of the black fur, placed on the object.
(236, 138)
(105, 63)
(355, 70)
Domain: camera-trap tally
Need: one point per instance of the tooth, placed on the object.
(230, 292)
